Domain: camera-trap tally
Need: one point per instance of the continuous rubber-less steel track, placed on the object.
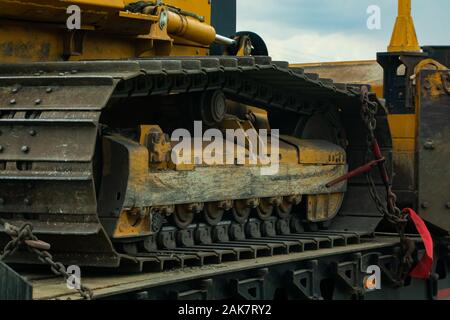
(201, 245)
(50, 118)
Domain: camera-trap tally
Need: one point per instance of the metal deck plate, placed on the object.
(104, 285)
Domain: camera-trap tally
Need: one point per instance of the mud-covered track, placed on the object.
(90, 85)
(60, 101)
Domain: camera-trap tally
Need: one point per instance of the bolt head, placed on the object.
(12, 101)
(447, 205)
(1, 148)
(49, 90)
(425, 205)
(25, 149)
(26, 201)
(37, 101)
(32, 132)
(429, 145)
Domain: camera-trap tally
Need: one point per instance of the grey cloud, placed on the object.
(346, 16)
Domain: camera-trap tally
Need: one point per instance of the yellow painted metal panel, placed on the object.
(404, 145)
(26, 44)
(403, 131)
(30, 35)
(402, 125)
(200, 7)
(115, 4)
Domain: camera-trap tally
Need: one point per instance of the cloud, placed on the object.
(334, 30)
(310, 46)
(302, 45)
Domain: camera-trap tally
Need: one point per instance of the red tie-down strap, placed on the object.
(423, 269)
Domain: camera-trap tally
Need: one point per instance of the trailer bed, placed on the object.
(106, 285)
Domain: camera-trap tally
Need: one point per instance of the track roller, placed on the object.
(242, 209)
(184, 214)
(284, 209)
(213, 211)
(266, 206)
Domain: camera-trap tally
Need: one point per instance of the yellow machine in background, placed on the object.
(404, 38)
(401, 86)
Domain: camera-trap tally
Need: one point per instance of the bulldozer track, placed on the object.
(207, 252)
(56, 108)
(258, 80)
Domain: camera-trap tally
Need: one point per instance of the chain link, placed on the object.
(388, 208)
(24, 236)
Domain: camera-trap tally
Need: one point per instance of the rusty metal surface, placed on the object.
(434, 148)
(105, 286)
(46, 171)
(204, 184)
(47, 140)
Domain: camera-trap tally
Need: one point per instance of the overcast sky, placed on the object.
(332, 30)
